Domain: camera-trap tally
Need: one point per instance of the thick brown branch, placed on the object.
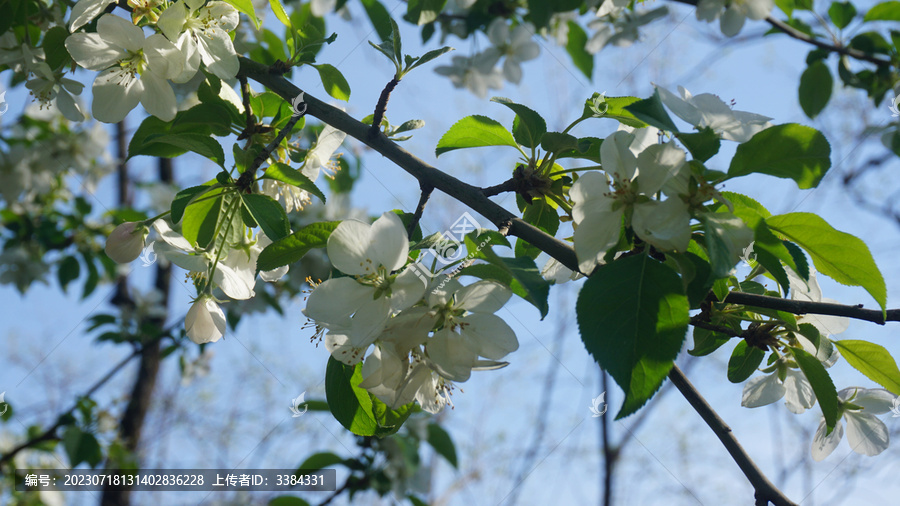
(766, 492)
(381, 106)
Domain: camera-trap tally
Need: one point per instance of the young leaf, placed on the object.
(246, 6)
(333, 81)
(269, 214)
(843, 257)
(380, 18)
(278, 9)
(821, 383)
(884, 11)
(184, 197)
(872, 360)
(789, 151)
(744, 360)
(841, 13)
(633, 315)
(430, 55)
(528, 127)
(293, 247)
(474, 132)
(199, 223)
(582, 60)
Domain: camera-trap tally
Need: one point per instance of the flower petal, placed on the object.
(390, 244)
(347, 248)
(493, 338)
(762, 391)
(866, 434)
(333, 301)
(116, 93)
(205, 322)
(595, 235)
(483, 297)
(822, 445)
(798, 392)
(120, 33)
(158, 97)
(93, 52)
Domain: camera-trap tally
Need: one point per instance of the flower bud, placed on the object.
(126, 242)
(205, 321)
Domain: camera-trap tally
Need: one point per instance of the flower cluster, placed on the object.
(318, 159)
(420, 342)
(635, 170)
(866, 434)
(736, 12)
(135, 68)
(479, 73)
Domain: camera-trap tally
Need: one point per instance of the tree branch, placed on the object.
(805, 307)
(792, 32)
(423, 199)
(766, 492)
(463, 192)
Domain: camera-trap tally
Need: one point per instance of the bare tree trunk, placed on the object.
(135, 413)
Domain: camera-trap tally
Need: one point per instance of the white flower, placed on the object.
(360, 306)
(557, 273)
(515, 46)
(707, 110)
(469, 328)
(810, 292)
(320, 8)
(84, 11)
(201, 33)
(134, 69)
(736, 13)
(598, 211)
(126, 242)
(235, 274)
(476, 73)
(615, 25)
(784, 382)
(47, 86)
(866, 434)
(317, 160)
(205, 321)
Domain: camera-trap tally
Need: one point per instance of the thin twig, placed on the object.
(797, 34)
(765, 490)
(806, 307)
(420, 208)
(251, 125)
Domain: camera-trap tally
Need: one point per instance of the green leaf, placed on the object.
(770, 251)
(633, 315)
(821, 383)
(474, 132)
(528, 126)
(54, 46)
(872, 360)
(556, 142)
(520, 274)
(582, 60)
(843, 257)
(789, 151)
(152, 126)
(287, 500)
(703, 145)
(430, 55)
(183, 199)
(269, 214)
(389, 420)
(286, 174)
(841, 13)
(246, 6)
(815, 88)
(652, 112)
(422, 12)
(744, 360)
(320, 460)
(293, 247)
(201, 144)
(68, 270)
(885, 11)
(199, 223)
(543, 216)
(442, 443)
(278, 9)
(616, 108)
(380, 18)
(350, 405)
(81, 447)
(333, 81)
(707, 341)
(206, 118)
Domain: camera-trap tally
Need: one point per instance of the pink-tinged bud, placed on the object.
(126, 242)
(205, 321)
